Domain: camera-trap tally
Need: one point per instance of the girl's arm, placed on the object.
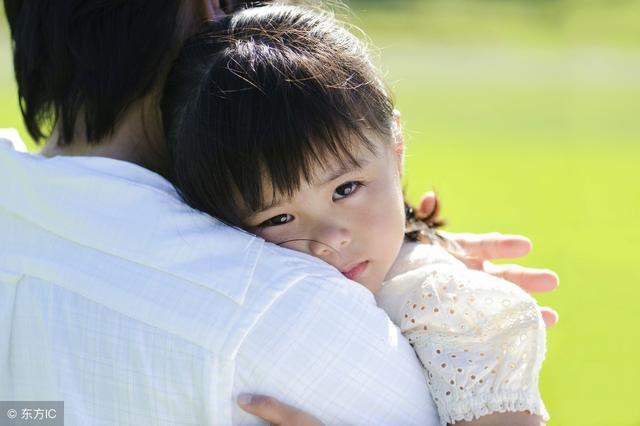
(480, 339)
(505, 419)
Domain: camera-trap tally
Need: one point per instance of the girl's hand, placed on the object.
(482, 248)
(275, 412)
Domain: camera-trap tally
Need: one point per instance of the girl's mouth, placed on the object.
(355, 271)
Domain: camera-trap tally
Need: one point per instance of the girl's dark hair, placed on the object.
(87, 60)
(268, 93)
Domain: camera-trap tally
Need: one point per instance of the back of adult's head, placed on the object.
(81, 64)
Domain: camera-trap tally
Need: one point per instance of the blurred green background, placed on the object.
(524, 116)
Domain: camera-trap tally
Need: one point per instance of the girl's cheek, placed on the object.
(272, 234)
(385, 207)
(260, 233)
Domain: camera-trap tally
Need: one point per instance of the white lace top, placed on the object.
(481, 339)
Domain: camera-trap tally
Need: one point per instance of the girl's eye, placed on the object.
(280, 219)
(346, 190)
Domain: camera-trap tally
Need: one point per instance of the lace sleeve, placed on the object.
(480, 339)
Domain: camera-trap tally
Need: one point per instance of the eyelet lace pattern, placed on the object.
(481, 339)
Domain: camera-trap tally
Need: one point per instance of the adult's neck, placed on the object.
(138, 139)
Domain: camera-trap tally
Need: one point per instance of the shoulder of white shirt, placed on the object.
(9, 138)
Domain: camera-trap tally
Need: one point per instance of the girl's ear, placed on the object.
(398, 141)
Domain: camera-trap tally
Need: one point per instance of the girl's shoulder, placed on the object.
(425, 270)
(415, 255)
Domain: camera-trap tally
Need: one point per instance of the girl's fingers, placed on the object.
(267, 408)
(549, 316)
(491, 246)
(480, 246)
(275, 412)
(428, 203)
(531, 280)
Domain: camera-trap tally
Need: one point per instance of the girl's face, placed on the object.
(351, 218)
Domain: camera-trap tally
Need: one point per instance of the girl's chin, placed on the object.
(373, 286)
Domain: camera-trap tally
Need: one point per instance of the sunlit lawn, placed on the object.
(524, 125)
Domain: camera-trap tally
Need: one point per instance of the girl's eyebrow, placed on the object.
(360, 163)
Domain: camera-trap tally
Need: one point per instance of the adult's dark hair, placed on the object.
(269, 92)
(84, 62)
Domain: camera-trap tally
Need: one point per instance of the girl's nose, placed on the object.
(327, 240)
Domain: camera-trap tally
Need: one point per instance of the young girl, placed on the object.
(279, 124)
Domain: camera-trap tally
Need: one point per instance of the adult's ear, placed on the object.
(398, 141)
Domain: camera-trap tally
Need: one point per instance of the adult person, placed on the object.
(132, 308)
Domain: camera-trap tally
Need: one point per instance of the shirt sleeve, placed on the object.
(481, 341)
(325, 347)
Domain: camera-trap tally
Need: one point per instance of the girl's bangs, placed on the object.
(316, 135)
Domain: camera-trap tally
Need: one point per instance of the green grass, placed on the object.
(524, 116)
(531, 127)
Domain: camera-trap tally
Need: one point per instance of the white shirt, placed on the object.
(480, 339)
(132, 308)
